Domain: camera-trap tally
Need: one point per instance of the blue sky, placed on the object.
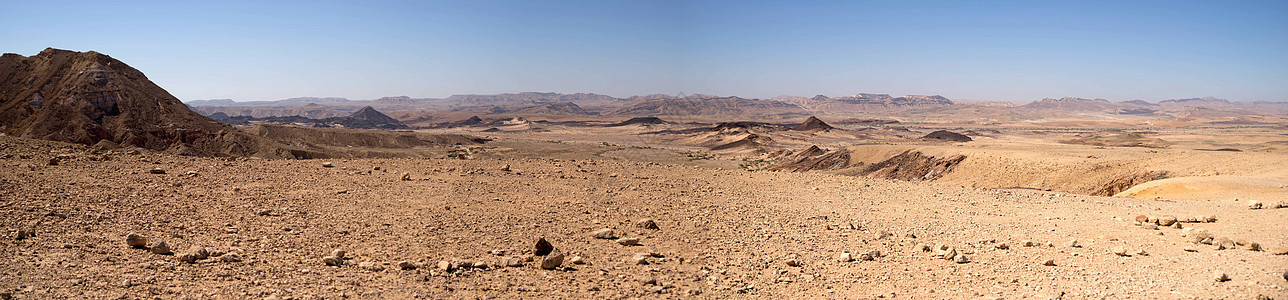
(980, 50)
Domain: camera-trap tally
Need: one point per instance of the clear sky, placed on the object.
(980, 50)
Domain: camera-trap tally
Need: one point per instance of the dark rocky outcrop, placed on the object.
(944, 135)
(813, 124)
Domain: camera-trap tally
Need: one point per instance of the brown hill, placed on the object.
(812, 124)
(87, 97)
(372, 115)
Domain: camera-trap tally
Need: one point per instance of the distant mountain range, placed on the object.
(547, 103)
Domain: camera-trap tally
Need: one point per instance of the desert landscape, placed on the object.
(113, 188)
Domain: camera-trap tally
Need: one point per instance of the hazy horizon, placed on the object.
(991, 51)
(622, 97)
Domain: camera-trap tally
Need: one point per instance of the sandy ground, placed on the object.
(722, 233)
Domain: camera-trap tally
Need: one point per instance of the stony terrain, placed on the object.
(719, 233)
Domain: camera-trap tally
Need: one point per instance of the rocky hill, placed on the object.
(865, 102)
(583, 99)
(705, 106)
(88, 97)
(311, 110)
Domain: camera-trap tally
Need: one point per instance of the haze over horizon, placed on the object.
(1001, 51)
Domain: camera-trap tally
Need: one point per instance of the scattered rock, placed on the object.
(961, 259)
(1002, 245)
(157, 171)
(333, 261)
(1209, 219)
(327, 164)
(481, 265)
(406, 265)
(230, 257)
(1030, 244)
(647, 224)
(1253, 246)
(1279, 251)
(186, 258)
(1225, 243)
(543, 247)
(1119, 251)
(922, 248)
(461, 264)
(639, 258)
(577, 260)
(370, 266)
(882, 234)
(1254, 204)
(1198, 235)
(1149, 226)
(199, 252)
(1142, 219)
(160, 248)
(1167, 220)
(512, 262)
(866, 257)
(1190, 248)
(444, 266)
(338, 253)
(136, 241)
(1072, 244)
(24, 234)
(948, 253)
(792, 262)
(552, 260)
(1049, 262)
(628, 241)
(605, 233)
(406, 176)
(1220, 276)
(845, 257)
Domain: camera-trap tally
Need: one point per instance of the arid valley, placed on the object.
(113, 188)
